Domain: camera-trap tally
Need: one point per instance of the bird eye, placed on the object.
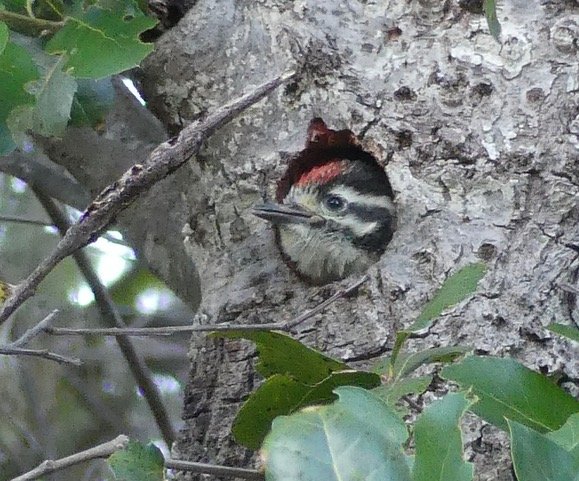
(335, 203)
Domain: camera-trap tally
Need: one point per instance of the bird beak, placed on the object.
(286, 214)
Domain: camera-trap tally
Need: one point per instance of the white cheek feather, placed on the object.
(358, 227)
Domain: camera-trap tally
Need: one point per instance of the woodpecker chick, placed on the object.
(335, 213)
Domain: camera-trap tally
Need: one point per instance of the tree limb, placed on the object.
(43, 353)
(34, 331)
(164, 160)
(101, 451)
(111, 316)
(216, 470)
(52, 177)
(169, 330)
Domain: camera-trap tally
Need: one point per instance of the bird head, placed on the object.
(334, 213)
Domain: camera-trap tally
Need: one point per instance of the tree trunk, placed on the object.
(481, 143)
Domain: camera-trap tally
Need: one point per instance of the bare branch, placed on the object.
(22, 220)
(320, 307)
(111, 316)
(34, 331)
(159, 331)
(169, 330)
(41, 223)
(43, 353)
(101, 451)
(216, 470)
(164, 160)
(121, 442)
(32, 169)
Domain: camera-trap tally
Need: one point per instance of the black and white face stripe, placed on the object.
(355, 197)
(368, 220)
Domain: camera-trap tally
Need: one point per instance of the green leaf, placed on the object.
(50, 9)
(392, 392)
(454, 290)
(92, 101)
(356, 438)
(280, 354)
(4, 35)
(507, 389)
(405, 364)
(490, 10)
(439, 442)
(537, 458)
(16, 70)
(281, 394)
(568, 436)
(17, 6)
(138, 462)
(50, 115)
(571, 332)
(100, 43)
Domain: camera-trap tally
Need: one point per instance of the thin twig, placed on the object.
(34, 331)
(320, 307)
(43, 353)
(159, 331)
(21, 220)
(169, 330)
(216, 470)
(101, 451)
(41, 223)
(111, 316)
(164, 160)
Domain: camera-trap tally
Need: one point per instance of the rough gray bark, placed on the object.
(481, 142)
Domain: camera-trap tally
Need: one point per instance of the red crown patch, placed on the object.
(322, 174)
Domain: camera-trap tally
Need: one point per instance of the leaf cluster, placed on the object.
(315, 418)
(56, 59)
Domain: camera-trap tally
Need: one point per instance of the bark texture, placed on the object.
(481, 143)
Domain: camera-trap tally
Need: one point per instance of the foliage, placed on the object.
(490, 11)
(508, 390)
(356, 437)
(51, 55)
(296, 376)
(439, 441)
(361, 435)
(538, 458)
(565, 330)
(138, 462)
(456, 288)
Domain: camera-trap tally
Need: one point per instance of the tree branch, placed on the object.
(169, 330)
(41, 223)
(22, 220)
(101, 451)
(204, 468)
(111, 316)
(43, 353)
(53, 178)
(164, 160)
(121, 442)
(15, 347)
(34, 331)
